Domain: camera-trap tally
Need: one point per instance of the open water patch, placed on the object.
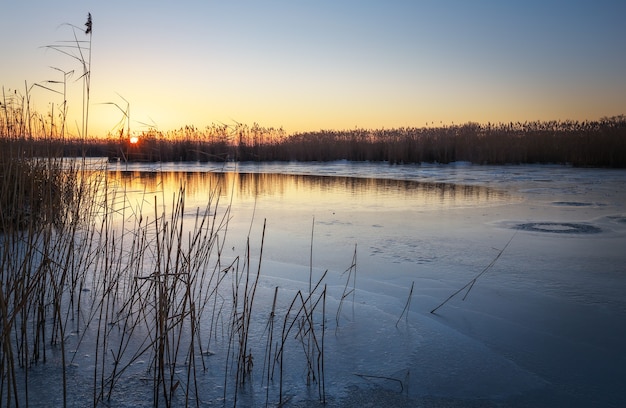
(558, 227)
(572, 204)
(577, 204)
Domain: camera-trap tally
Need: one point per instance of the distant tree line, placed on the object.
(599, 143)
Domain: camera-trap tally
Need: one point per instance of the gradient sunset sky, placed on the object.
(325, 64)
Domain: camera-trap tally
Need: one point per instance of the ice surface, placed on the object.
(544, 326)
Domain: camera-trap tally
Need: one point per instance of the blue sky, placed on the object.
(327, 64)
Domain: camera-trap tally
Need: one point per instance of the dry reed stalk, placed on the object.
(267, 358)
(471, 283)
(382, 377)
(303, 319)
(407, 305)
(351, 271)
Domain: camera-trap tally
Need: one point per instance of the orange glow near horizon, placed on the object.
(134, 139)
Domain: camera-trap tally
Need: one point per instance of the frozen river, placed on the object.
(540, 251)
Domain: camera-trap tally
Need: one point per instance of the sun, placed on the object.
(134, 139)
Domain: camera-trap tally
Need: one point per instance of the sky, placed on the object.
(313, 65)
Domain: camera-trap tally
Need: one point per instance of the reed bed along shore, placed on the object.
(600, 143)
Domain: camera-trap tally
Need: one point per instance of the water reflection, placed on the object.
(387, 193)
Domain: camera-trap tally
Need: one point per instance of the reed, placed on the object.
(267, 358)
(469, 285)
(407, 305)
(599, 143)
(90, 270)
(80, 51)
(38, 214)
(351, 275)
(300, 315)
